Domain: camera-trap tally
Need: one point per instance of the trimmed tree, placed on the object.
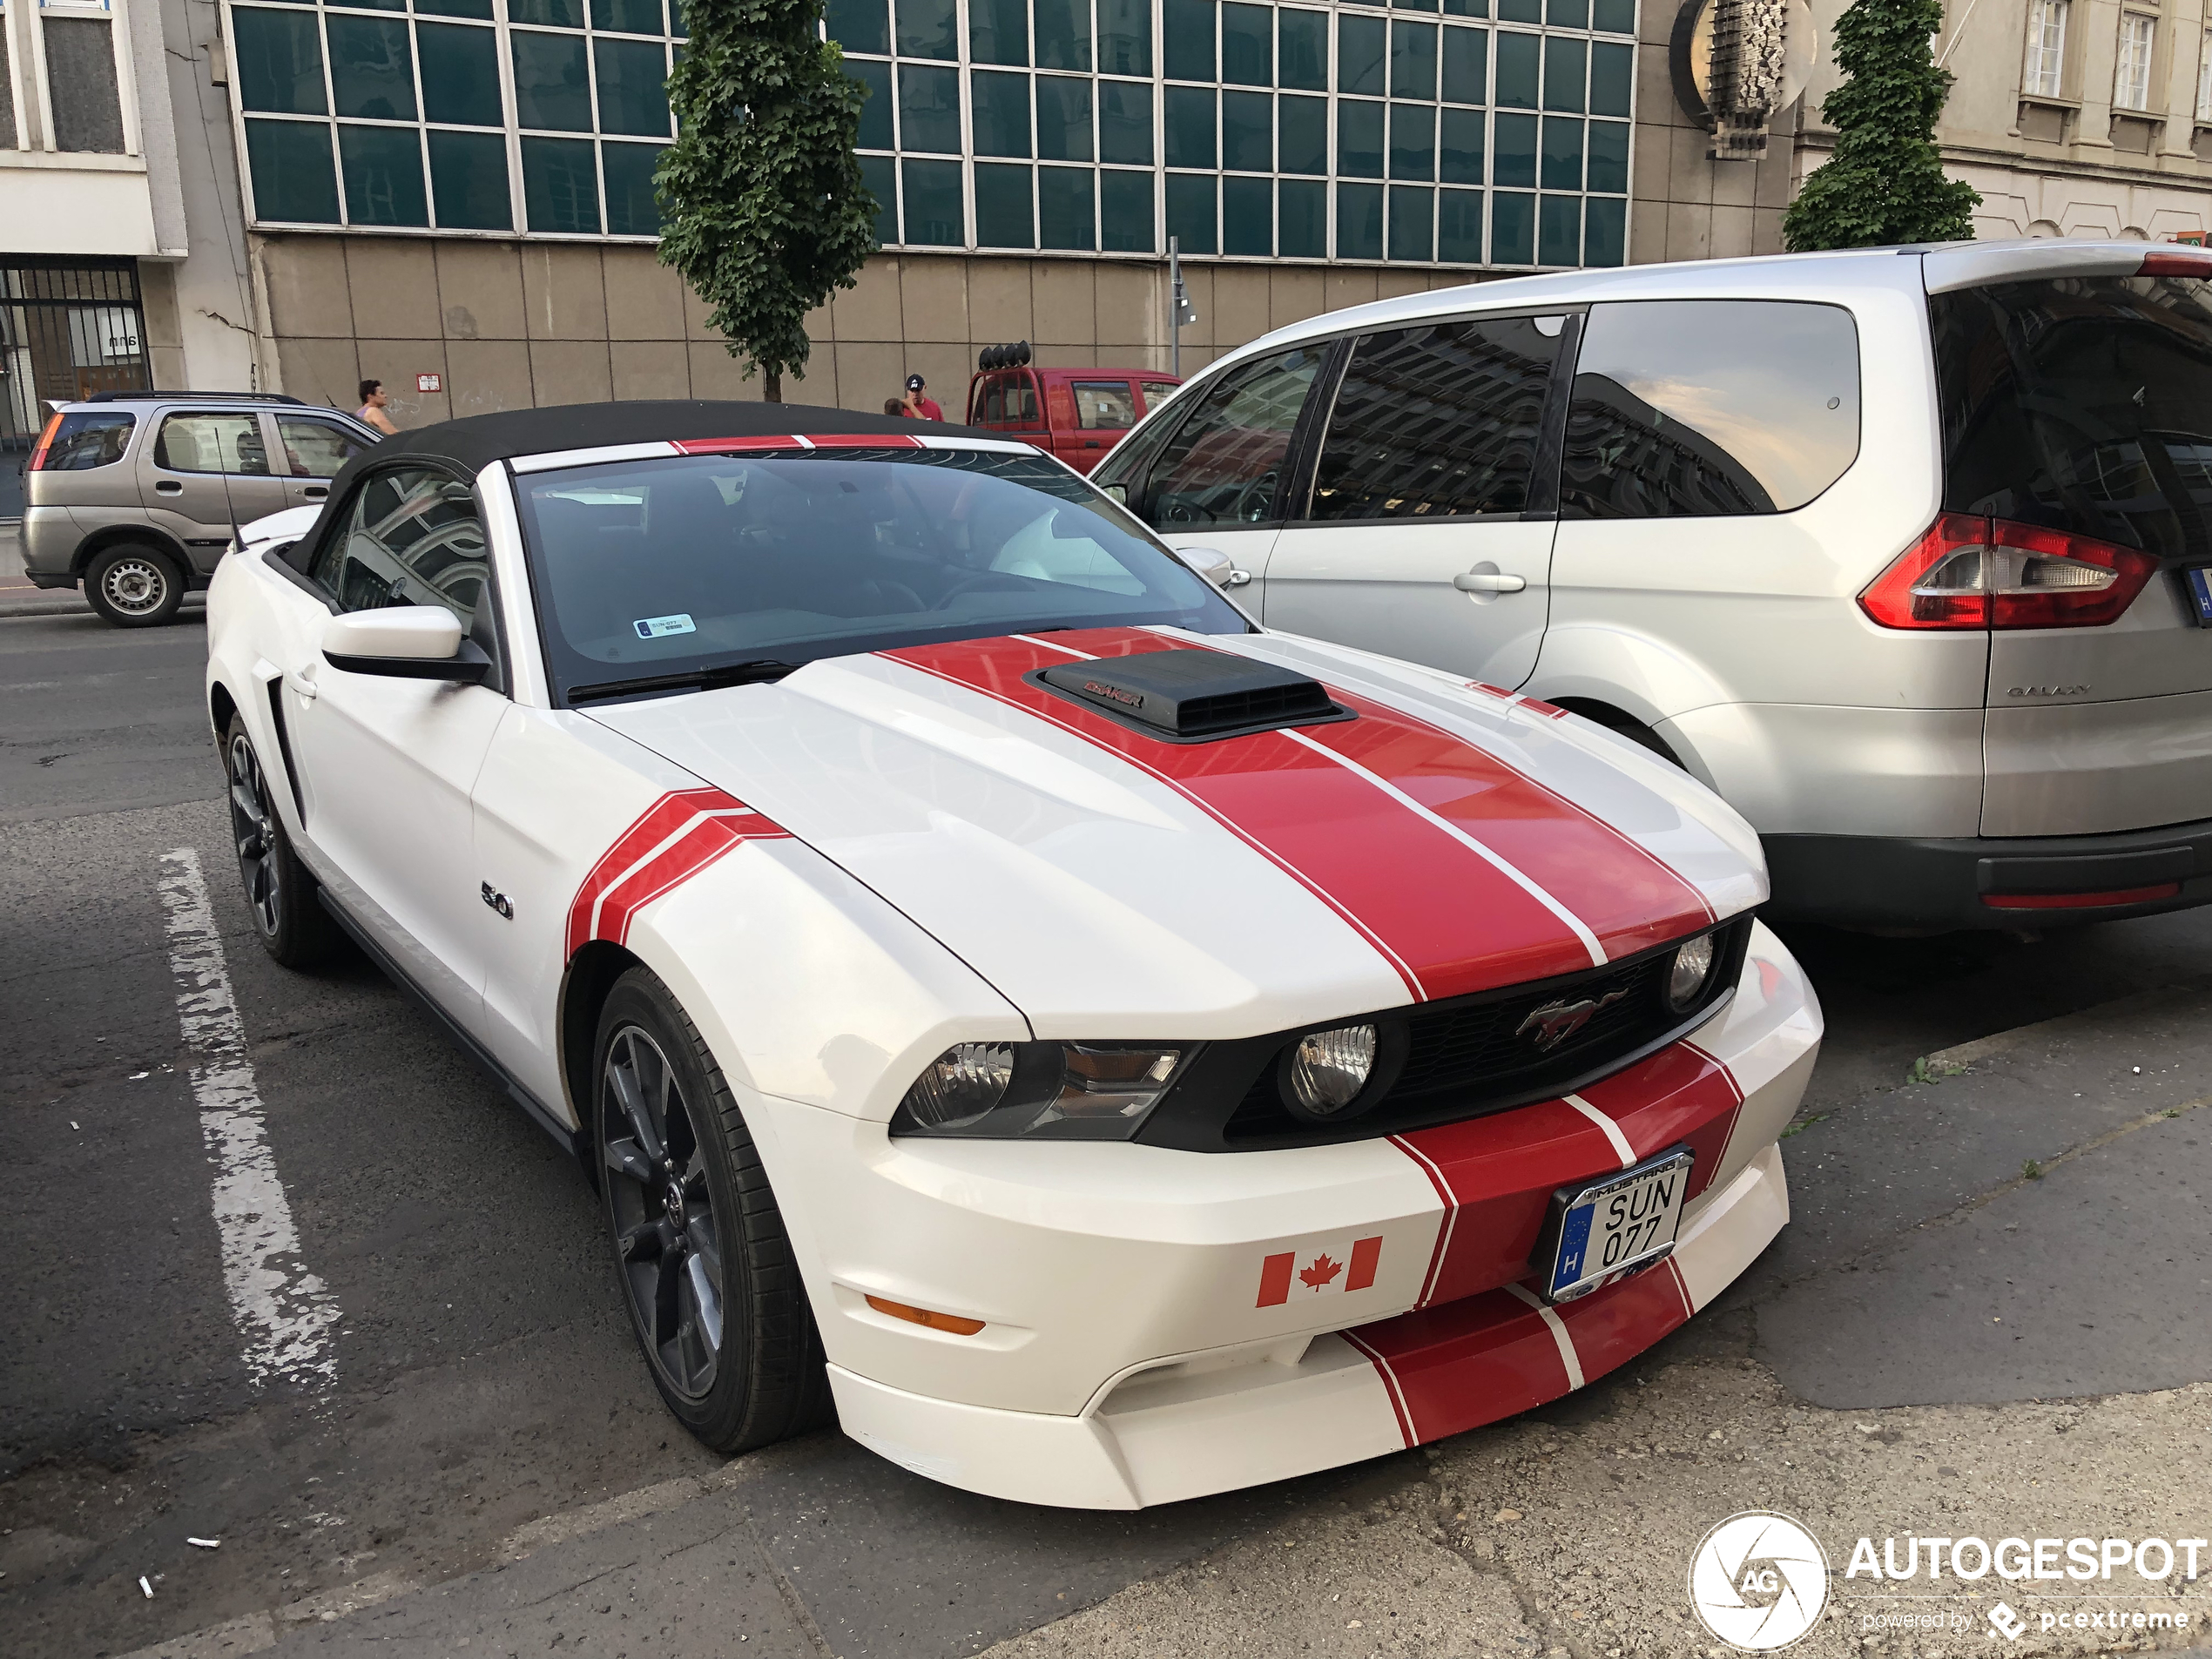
(766, 212)
(1886, 184)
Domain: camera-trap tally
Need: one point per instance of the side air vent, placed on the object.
(1192, 696)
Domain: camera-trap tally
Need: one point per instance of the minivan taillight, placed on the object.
(37, 461)
(1972, 572)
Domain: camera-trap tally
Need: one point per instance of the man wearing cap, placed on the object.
(919, 401)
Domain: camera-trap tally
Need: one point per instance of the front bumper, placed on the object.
(1185, 1431)
(1950, 882)
(1145, 1336)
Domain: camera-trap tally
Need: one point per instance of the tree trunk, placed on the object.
(772, 386)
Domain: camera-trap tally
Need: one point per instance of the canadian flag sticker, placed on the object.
(1287, 1274)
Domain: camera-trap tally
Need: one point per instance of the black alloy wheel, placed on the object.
(134, 587)
(294, 926)
(707, 1269)
(663, 1212)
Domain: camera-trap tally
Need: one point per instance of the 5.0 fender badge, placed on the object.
(1552, 1024)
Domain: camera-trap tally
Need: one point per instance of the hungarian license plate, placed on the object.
(2197, 583)
(1616, 1224)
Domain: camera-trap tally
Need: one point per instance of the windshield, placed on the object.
(2082, 404)
(648, 569)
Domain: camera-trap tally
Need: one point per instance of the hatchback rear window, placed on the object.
(84, 440)
(2082, 404)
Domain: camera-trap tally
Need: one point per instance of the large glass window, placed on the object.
(1225, 463)
(1704, 407)
(368, 115)
(412, 537)
(673, 567)
(1437, 421)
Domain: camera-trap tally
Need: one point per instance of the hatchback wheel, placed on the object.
(294, 927)
(706, 1267)
(134, 587)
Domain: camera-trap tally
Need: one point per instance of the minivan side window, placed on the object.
(409, 537)
(316, 448)
(1708, 409)
(1225, 463)
(1437, 421)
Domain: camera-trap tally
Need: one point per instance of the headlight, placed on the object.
(1329, 1068)
(1059, 1091)
(1686, 975)
(964, 1082)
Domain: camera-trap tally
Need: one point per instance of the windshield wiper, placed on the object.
(750, 671)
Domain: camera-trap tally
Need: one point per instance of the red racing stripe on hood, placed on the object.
(1449, 919)
(669, 842)
(1611, 882)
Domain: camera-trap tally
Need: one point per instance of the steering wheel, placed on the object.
(999, 579)
(1256, 500)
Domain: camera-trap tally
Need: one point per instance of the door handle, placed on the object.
(315, 492)
(1489, 582)
(167, 487)
(296, 680)
(1236, 579)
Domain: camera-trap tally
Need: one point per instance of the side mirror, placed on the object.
(1215, 565)
(403, 642)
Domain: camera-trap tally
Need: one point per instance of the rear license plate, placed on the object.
(1616, 1224)
(2197, 584)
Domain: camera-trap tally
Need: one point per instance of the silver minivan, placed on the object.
(1904, 551)
(134, 494)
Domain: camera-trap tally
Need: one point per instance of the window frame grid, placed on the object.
(965, 65)
(2135, 25)
(510, 130)
(2045, 59)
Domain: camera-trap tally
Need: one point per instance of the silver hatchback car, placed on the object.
(134, 494)
(1904, 551)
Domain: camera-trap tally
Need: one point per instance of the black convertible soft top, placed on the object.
(475, 442)
(472, 443)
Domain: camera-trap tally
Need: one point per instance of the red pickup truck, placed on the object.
(1077, 413)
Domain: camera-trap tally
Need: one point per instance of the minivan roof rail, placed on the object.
(149, 397)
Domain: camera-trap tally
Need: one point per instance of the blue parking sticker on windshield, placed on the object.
(661, 627)
(2199, 592)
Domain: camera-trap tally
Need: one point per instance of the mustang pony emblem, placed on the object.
(1554, 1022)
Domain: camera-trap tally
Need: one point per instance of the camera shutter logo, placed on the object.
(1758, 1580)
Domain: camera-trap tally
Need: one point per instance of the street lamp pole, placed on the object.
(1179, 312)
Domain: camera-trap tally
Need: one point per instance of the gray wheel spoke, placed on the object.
(626, 1157)
(707, 1298)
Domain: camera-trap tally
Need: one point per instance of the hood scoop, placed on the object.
(1191, 696)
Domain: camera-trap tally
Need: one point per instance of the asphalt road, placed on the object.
(486, 1404)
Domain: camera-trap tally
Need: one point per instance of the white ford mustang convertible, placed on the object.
(1103, 1051)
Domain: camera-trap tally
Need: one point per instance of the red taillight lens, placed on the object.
(2041, 578)
(1969, 572)
(37, 461)
(1936, 582)
(2176, 264)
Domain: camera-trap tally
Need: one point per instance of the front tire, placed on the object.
(294, 926)
(706, 1268)
(134, 587)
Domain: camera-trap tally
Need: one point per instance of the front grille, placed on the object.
(1457, 1059)
(1451, 1048)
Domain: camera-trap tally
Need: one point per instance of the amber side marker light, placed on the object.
(2071, 900)
(951, 1322)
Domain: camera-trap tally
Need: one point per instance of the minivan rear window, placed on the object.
(85, 440)
(2082, 404)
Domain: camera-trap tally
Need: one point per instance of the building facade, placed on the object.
(454, 196)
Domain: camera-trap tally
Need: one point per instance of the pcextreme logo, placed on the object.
(1758, 1580)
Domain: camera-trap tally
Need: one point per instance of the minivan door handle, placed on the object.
(167, 487)
(1489, 582)
(315, 492)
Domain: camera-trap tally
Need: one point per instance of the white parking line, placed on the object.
(282, 1310)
